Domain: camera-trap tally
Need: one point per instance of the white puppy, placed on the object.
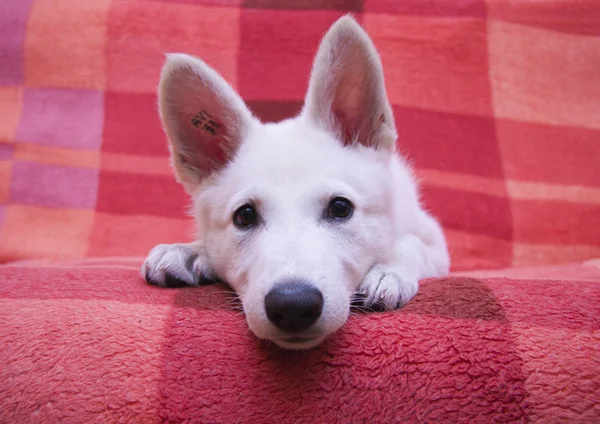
(300, 216)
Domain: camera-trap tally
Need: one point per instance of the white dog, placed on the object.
(299, 216)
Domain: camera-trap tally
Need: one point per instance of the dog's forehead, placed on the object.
(292, 161)
(292, 149)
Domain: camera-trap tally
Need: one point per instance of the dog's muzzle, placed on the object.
(293, 306)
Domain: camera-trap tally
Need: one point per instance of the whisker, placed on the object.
(230, 302)
(227, 293)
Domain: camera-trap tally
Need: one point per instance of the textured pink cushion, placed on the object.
(91, 342)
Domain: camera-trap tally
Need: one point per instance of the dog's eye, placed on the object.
(340, 208)
(245, 217)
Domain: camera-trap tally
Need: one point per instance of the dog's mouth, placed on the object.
(299, 342)
(298, 339)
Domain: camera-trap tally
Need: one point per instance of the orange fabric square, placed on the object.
(11, 104)
(37, 232)
(5, 172)
(544, 76)
(57, 156)
(543, 191)
(115, 235)
(539, 254)
(136, 164)
(139, 34)
(55, 59)
(434, 63)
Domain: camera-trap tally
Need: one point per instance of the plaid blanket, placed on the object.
(497, 105)
(90, 342)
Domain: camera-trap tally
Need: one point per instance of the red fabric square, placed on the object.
(470, 251)
(136, 194)
(406, 384)
(132, 125)
(277, 48)
(555, 222)
(469, 211)
(427, 8)
(549, 153)
(95, 279)
(11, 105)
(345, 5)
(5, 177)
(449, 141)
(222, 3)
(274, 111)
(124, 235)
(576, 17)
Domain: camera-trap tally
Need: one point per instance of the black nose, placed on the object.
(293, 306)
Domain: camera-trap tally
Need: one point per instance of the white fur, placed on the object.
(342, 144)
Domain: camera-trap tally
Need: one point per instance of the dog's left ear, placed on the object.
(205, 120)
(346, 93)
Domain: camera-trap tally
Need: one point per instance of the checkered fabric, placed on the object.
(88, 342)
(497, 104)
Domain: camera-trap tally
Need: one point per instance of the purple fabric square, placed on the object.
(53, 186)
(62, 117)
(6, 150)
(13, 21)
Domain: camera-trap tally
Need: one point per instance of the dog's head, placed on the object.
(292, 214)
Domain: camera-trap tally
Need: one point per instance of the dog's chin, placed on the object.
(298, 342)
(304, 340)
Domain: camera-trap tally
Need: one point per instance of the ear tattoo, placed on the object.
(204, 121)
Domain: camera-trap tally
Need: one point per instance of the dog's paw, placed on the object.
(385, 288)
(176, 265)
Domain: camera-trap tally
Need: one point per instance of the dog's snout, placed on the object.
(294, 306)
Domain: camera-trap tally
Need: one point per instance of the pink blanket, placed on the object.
(90, 342)
(497, 105)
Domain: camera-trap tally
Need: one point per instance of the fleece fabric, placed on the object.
(497, 107)
(91, 342)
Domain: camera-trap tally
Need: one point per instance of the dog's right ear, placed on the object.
(204, 118)
(346, 94)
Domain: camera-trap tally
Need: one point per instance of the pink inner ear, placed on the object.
(203, 116)
(207, 126)
(220, 157)
(349, 101)
(346, 128)
(349, 112)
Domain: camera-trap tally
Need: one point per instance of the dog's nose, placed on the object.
(294, 306)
